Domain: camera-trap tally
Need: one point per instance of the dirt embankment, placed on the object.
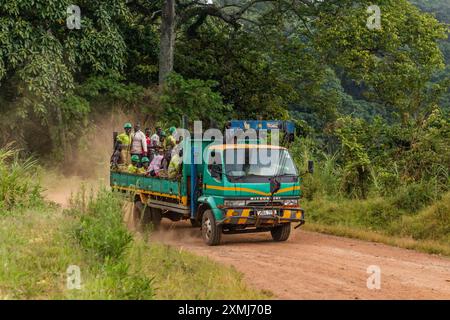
(316, 266)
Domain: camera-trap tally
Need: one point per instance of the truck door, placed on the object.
(213, 180)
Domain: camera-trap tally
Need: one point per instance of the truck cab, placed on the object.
(239, 196)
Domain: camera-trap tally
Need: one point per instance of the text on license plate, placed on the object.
(265, 212)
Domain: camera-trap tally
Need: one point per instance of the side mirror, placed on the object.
(275, 185)
(310, 166)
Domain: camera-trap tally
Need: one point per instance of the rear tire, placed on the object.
(144, 216)
(138, 207)
(281, 233)
(156, 216)
(211, 232)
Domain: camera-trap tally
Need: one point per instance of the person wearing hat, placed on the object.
(124, 140)
(170, 143)
(145, 164)
(133, 167)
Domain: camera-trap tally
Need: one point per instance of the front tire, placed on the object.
(211, 232)
(281, 233)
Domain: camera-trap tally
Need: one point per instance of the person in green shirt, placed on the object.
(124, 139)
(133, 167)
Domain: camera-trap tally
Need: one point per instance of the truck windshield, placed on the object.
(259, 164)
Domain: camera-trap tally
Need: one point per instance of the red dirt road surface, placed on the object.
(317, 266)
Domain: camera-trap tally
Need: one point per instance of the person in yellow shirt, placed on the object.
(175, 165)
(124, 139)
(145, 165)
(133, 167)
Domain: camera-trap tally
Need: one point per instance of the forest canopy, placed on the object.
(312, 61)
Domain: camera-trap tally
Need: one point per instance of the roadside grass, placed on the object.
(35, 252)
(377, 220)
(38, 245)
(178, 274)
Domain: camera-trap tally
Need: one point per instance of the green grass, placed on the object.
(379, 220)
(19, 181)
(38, 245)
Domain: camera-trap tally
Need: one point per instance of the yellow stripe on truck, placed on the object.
(244, 215)
(220, 188)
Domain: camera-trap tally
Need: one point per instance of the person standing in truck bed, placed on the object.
(124, 140)
(138, 143)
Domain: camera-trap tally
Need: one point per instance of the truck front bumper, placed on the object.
(261, 216)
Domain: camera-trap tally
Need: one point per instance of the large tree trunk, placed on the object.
(167, 42)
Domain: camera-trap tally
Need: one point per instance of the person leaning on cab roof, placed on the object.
(123, 143)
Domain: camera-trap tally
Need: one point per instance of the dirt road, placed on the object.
(316, 266)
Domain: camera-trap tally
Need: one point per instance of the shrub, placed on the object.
(431, 223)
(101, 229)
(117, 282)
(19, 182)
(414, 196)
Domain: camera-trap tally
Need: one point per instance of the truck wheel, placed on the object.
(282, 232)
(195, 223)
(138, 209)
(210, 231)
(144, 215)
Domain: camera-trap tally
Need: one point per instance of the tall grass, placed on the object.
(396, 205)
(19, 181)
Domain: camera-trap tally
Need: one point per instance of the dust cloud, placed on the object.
(89, 165)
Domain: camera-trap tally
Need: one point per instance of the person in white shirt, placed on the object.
(138, 142)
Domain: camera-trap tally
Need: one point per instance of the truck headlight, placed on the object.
(234, 203)
(290, 202)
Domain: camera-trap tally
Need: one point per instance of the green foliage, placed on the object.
(194, 98)
(19, 181)
(118, 283)
(414, 196)
(356, 172)
(101, 229)
(110, 90)
(404, 51)
(431, 223)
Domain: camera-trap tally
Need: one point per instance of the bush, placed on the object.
(101, 229)
(431, 223)
(117, 282)
(414, 196)
(19, 182)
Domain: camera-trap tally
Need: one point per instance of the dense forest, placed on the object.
(371, 104)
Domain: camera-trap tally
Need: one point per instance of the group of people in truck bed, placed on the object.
(148, 154)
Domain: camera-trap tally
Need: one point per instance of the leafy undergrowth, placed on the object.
(38, 246)
(376, 219)
(19, 181)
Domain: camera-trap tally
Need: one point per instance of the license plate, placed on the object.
(265, 212)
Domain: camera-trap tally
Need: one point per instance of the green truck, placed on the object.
(221, 196)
